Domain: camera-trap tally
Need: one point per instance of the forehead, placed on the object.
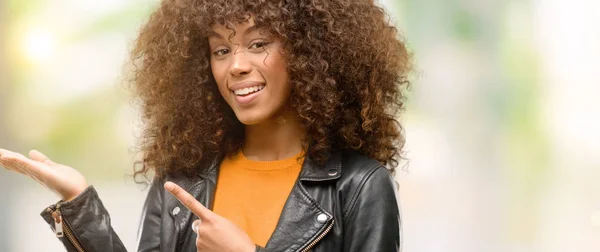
(228, 28)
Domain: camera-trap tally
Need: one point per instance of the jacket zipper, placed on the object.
(319, 238)
(61, 228)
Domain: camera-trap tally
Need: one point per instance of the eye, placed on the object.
(258, 44)
(221, 52)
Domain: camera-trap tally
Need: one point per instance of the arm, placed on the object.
(86, 223)
(372, 222)
(150, 224)
(83, 224)
(80, 220)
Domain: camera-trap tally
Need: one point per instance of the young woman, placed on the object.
(270, 126)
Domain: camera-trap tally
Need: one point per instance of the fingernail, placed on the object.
(169, 186)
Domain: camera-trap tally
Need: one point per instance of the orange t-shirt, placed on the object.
(251, 193)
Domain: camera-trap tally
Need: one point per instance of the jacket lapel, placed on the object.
(202, 187)
(303, 219)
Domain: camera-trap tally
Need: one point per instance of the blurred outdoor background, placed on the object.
(503, 123)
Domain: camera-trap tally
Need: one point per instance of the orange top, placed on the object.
(251, 193)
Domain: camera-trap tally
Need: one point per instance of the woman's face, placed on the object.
(251, 72)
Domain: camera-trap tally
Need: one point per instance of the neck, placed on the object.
(275, 139)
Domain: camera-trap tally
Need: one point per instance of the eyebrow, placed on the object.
(217, 35)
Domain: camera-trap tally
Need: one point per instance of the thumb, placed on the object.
(38, 156)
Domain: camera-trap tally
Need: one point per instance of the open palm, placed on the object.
(63, 180)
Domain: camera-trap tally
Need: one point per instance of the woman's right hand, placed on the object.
(67, 182)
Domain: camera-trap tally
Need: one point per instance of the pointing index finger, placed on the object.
(187, 200)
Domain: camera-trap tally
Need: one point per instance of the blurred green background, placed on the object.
(503, 122)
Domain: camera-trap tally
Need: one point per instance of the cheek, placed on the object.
(216, 70)
(278, 72)
(220, 75)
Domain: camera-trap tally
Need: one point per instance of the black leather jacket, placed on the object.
(350, 204)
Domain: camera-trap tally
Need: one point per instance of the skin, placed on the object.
(272, 130)
(252, 56)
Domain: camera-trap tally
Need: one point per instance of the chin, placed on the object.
(247, 118)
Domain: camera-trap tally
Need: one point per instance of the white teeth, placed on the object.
(248, 90)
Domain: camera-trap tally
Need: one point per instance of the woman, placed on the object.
(270, 126)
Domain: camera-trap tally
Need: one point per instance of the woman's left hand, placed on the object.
(214, 233)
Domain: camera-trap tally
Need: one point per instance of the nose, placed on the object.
(240, 63)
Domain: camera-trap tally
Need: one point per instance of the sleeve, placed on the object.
(372, 222)
(83, 224)
(150, 223)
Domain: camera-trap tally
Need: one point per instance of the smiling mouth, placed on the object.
(248, 90)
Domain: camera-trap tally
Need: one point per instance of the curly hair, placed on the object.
(348, 70)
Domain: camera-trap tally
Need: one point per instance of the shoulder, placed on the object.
(364, 177)
(182, 179)
(358, 168)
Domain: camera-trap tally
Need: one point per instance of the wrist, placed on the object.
(75, 193)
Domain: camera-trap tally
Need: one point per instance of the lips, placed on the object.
(246, 92)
